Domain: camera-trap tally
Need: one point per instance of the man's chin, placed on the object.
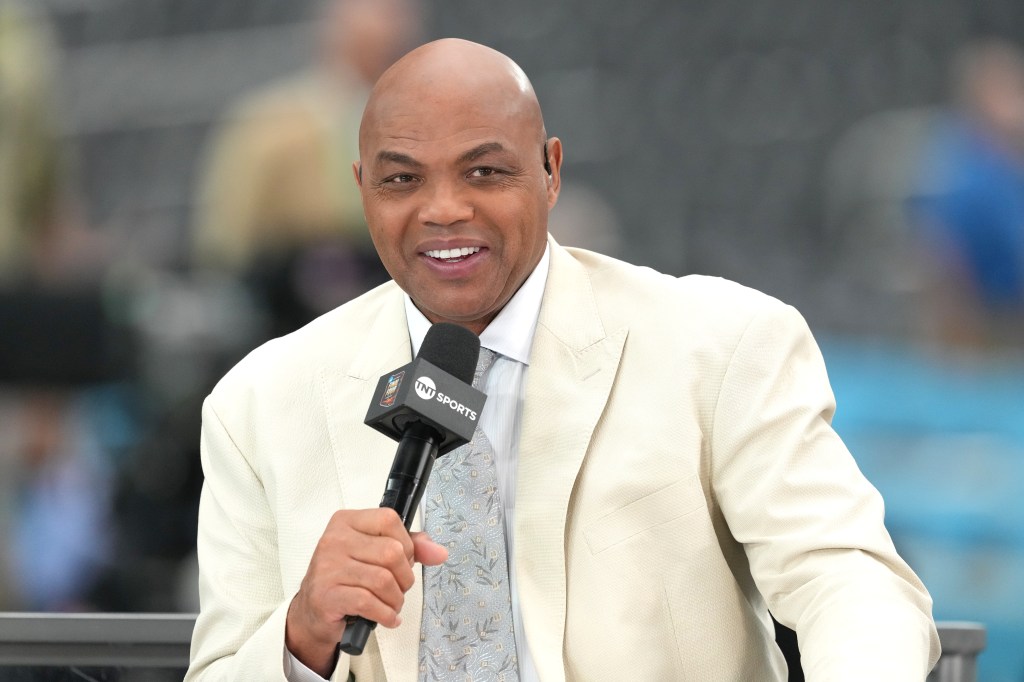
(472, 317)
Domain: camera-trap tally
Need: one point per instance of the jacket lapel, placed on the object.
(572, 367)
(363, 458)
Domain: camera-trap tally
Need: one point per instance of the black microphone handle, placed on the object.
(408, 478)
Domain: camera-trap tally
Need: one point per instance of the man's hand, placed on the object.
(362, 566)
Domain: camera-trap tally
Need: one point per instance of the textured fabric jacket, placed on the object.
(678, 476)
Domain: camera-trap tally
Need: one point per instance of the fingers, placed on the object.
(371, 561)
(374, 522)
(360, 567)
(368, 549)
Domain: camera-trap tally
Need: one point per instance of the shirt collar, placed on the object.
(510, 333)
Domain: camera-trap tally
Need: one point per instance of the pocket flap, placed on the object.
(665, 504)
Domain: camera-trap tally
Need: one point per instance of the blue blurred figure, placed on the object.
(61, 527)
(970, 211)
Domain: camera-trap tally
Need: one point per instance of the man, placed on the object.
(31, 157)
(970, 211)
(665, 459)
(276, 205)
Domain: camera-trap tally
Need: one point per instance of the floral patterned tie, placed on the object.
(467, 631)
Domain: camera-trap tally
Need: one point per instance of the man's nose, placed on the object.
(446, 204)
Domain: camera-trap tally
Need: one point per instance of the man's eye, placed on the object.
(483, 172)
(401, 179)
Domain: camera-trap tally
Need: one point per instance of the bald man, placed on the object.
(665, 460)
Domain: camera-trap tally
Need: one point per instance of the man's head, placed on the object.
(988, 82)
(361, 38)
(452, 173)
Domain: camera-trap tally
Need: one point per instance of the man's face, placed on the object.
(457, 198)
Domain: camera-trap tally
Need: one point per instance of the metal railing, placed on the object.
(144, 640)
(155, 640)
(961, 644)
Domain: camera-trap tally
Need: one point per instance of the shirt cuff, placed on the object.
(295, 671)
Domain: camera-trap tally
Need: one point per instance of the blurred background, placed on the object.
(175, 189)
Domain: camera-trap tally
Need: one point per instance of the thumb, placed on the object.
(426, 551)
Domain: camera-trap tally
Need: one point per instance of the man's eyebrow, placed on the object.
(480, 150)
(397, 157)
(473, 154)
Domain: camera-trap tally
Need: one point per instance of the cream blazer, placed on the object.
(678, 477)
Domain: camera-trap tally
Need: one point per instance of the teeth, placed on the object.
(447, 254)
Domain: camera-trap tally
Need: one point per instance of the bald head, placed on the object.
(452, 75)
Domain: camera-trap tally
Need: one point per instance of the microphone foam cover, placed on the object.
(451, 348)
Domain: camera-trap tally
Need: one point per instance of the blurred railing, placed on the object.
(95, 639)
(961, 644)
(162, 641)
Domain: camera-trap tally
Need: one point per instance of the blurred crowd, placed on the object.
(55, 525)
(106, 356)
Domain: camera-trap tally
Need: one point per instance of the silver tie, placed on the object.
(467, 631)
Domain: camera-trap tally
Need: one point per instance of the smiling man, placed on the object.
(665, 469)
(457, 180)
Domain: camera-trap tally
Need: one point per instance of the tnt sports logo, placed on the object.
(425, 388)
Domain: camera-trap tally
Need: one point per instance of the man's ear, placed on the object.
(553, 165)
(357, 171)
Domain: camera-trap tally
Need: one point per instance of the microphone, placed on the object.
(430, 407)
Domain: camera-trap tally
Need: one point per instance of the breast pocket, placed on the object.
(665, 504)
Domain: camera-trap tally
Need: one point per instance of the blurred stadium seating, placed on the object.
(943, 440)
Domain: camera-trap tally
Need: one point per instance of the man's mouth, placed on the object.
(453, 255)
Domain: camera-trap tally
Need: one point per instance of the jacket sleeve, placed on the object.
(239, 634)
(810, 523)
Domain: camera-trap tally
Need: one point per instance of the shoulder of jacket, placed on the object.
(333, 338)
(633, 289)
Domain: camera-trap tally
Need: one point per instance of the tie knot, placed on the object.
(483, 363)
